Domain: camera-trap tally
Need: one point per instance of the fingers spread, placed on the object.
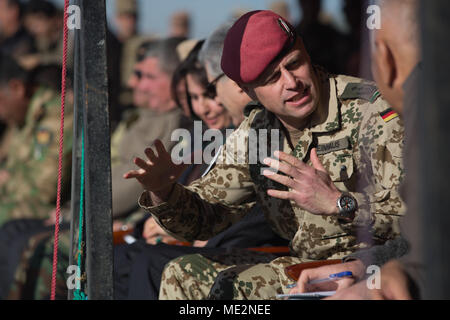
(132, 174)
(293, 161)
(150, 154)
(142, 164)
(162, 153)
(284, 180)
(284, 195)
(283, 167)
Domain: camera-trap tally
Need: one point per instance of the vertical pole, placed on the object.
(92, 113)
(76, 152)
(434, 144)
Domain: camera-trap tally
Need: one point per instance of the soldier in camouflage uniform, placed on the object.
(139, 129)
(28, 189)
(349, 144)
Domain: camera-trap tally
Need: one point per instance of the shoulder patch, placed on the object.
(388, 115)
(44, 136)
(364, 91)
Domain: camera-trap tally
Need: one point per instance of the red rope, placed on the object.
(61, 147)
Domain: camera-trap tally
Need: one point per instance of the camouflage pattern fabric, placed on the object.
(361, 151)
(33, 277)
(30, 191)
(190, 277)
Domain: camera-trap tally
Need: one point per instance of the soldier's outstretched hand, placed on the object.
(310, 186)
(158, 173)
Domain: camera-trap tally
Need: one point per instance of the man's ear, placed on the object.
(386, 63)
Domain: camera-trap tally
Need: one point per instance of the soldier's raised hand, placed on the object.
(158, 173)
(311, 186)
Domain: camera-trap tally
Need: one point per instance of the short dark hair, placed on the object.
(10, 69)
(190, 66)
(43, 7)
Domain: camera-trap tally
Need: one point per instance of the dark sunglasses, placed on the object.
(211, 87)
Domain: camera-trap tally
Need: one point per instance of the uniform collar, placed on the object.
(326, 117)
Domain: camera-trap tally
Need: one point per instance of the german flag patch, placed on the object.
(388, 115)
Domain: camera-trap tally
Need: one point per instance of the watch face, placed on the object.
(347, 203)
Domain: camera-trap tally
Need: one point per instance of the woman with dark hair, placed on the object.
(191, 92)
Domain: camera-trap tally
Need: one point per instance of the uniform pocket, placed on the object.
(339, 165)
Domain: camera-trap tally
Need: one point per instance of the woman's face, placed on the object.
(207, 109)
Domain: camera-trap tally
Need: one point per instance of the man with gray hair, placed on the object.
(233, 98)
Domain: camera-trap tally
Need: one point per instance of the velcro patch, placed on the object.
(43, 137)
(364, 91)
(332, 146)
(388, 115)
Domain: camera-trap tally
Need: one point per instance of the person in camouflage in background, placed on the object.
(341, 142)
(28, 176)
(30, 104)
(138, 129)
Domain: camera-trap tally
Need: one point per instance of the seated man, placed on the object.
(343, 172)
(30, 104)
(156, 116)
(399, 35)
(138, 267)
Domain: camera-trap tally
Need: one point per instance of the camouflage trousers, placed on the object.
(32, 280)
(238, 274)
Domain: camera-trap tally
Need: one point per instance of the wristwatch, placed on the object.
(347, 206)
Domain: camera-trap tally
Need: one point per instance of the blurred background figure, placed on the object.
(180, 24)
(238, 12)
(45, 23)
(281, 8)
(14, 38)
(353, 10)
(126, 19)
(323, 42)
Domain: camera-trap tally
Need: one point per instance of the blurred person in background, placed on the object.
(15, 40)
(180, 24)
(30, 103)
(281, 8)
(322, 41)
(45, 22)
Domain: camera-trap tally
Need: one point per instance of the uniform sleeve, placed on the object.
(380, 206)
(210, 204)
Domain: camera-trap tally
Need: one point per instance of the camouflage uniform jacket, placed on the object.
(357, 143)
(32, 162)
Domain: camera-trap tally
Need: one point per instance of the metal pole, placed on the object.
(76, 152)
(92, 98)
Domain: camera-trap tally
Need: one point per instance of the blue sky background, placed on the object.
(208, 14)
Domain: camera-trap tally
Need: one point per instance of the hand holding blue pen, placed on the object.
(331, 277)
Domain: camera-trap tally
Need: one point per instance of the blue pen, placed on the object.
(331, 277)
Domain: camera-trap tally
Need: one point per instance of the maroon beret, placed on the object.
(253, 42)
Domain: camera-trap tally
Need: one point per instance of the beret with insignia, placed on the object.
(253, 42)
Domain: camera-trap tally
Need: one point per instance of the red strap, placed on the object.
(61, 147)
